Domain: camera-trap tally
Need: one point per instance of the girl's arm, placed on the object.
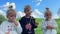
(19, 28)
(55, 26)
(43, 26)
(2, 27)
(34, 23)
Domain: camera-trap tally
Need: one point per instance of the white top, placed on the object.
(49, 31)
(10, 26)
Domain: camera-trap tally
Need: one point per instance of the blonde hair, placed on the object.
(47, 12)
(10, 11)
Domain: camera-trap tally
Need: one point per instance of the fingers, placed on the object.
(7, 32)
(36, 24)
(28, 26)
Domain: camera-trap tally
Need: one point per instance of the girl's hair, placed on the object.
(27, 6)
(10, 9)
(47, 11)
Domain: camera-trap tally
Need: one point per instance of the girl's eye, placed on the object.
(12, 16)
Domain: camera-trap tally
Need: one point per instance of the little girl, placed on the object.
(11, 26)
(49, 25)
(28, 22)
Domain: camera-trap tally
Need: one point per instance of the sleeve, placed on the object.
(22, 23)
(33, 23)
(55, 24)
(43, 26)
(2, 30)
(19, 28)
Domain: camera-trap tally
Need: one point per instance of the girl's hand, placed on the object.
(50, 27)
(7, 33)
(36, 24)
(28, 26)
(15, 22)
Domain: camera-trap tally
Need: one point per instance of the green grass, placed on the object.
(58, 22)
(38, 29)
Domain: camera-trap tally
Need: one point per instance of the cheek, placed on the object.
(48, 17)
(14, 17)
(26, 13)
(10, 18)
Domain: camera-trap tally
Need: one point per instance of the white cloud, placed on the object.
(38, 12)
(5, 6)
(38, 2)
(1, 12)
(34, 15)
(55, 17)
(20, 14)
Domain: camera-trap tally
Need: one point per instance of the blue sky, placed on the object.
(36, 5)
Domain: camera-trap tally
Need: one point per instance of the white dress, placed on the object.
(49, 31)
(7, 26)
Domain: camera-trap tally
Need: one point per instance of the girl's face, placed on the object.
(48, 16)
(11, 16)
(27, 11)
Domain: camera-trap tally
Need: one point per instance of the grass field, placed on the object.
(39, 31)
